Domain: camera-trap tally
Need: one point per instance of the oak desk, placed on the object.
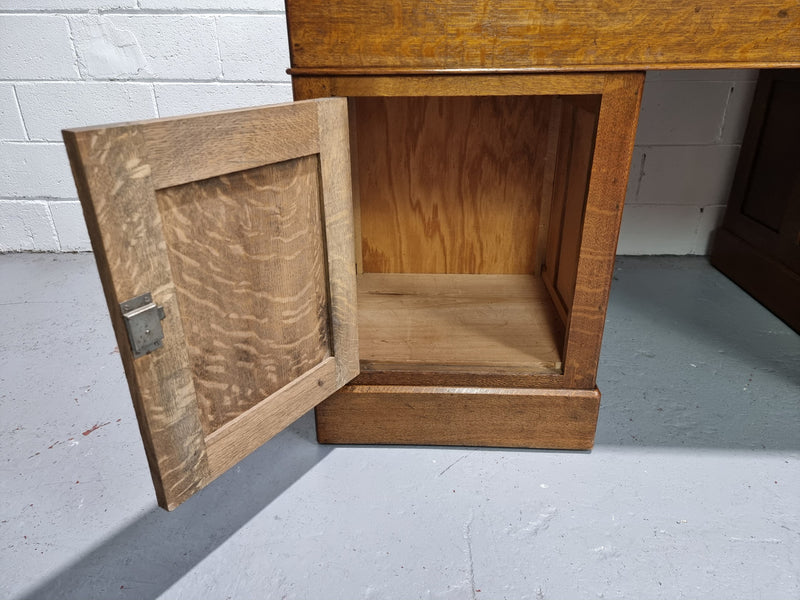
(427, 261)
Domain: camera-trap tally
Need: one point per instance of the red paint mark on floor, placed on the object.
(95, 428)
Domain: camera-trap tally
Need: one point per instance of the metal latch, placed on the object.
(142, 319)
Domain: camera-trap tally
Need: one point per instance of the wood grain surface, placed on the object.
(450, 184)
(114, 183)
(574, 160)
(607, 35)
(522, 418)
(249, 232)
(319, 82)
(608, 179)
(334, 173)
(248, 262)
(240, 436)
(472, 323)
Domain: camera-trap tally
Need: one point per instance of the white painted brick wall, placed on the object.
(182, 47)
(11, 127)
(242, 37)
(35, 170)
(68, 63)
(48, 107)
(27, 225)
(690, 131)
(36, 47)
(185, 98)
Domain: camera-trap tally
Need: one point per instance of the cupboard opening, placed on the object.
(468, 216)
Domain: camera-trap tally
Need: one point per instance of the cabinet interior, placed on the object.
(468, 220)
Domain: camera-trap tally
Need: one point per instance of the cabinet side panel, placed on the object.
(451, 184)
(578, 124)
(582, 147)
(616, 130)
(564, 127)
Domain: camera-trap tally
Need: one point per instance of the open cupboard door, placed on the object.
(224, 243)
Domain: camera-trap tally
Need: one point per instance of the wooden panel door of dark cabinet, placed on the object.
(758, 246)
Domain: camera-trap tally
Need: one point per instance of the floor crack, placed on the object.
(470, 562)
(452, 464)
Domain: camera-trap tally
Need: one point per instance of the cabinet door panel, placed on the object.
(239, 225)
(758, 246)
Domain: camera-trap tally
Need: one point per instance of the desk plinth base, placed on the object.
(563, 419)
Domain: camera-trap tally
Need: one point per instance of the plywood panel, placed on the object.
(473, 323)
(578, 123)
(565, 127)
(451, 185)
(236, 244)
(581, 142)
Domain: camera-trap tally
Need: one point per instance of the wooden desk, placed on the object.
(542, 35)
(429, 259)
(395, 49)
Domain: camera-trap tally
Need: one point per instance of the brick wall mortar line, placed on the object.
(36, 198)
(155, 100)
(41, 197)
(53, 226)
(724, 117)
(75, 57)
(32, 142)
(219, 50)
(19, 111)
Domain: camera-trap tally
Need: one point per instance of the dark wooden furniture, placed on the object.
(456, 293)
(758, 246)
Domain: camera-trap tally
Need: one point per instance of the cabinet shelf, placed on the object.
(458, 322)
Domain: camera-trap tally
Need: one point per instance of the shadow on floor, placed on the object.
(690, 360)
(146, 558)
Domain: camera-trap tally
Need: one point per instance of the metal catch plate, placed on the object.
(142, 319)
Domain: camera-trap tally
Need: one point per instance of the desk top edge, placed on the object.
(543, 35)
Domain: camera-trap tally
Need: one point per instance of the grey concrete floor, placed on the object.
(691, 491)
